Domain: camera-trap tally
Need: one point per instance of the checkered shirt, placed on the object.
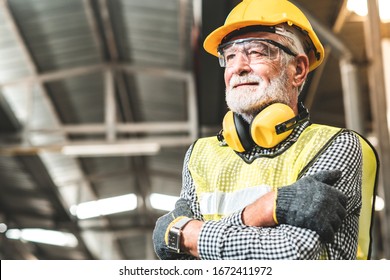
(229, 238)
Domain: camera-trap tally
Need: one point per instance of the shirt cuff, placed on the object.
(234, 219)
(210, 242)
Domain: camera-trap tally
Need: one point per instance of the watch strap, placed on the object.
(182, 222)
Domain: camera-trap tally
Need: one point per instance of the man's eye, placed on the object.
(229, 56)
(257, 52)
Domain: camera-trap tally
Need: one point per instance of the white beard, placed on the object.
(250, 100)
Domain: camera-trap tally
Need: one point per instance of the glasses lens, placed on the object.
(256, 50)
(259, 51)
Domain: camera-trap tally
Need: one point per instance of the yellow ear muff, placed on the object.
(230, 134)
(270, 127)
(263, 127)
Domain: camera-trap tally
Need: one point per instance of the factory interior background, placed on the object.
(100, 99)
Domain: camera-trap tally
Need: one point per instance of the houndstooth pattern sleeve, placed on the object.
(229, 238)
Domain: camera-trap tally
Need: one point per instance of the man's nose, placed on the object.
(241, 64)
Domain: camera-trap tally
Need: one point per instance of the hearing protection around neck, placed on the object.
(270, 127)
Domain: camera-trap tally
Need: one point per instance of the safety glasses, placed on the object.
(256, 50)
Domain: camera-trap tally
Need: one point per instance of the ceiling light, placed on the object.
(379, 203)
(51, 237)
(3, 227)
(163, 201)
(123, 149)
(360, 8)
(105, 206)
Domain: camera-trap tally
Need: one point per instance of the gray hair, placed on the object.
(296, 40)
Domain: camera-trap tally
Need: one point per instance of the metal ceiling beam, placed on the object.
(108, 30)
(163, 141)
(94, 27)
(56, 75)
(138, 127)
(341, 17)
(109, 40)
(10, 21)
(109, 106)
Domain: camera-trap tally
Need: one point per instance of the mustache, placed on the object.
(237, 80)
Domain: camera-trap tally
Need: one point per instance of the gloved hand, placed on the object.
(160, 247)
(312, 202)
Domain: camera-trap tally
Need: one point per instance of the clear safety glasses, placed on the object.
(256, 50)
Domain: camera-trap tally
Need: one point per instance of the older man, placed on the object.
(270, 185)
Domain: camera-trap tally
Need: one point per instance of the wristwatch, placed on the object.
(175, 233)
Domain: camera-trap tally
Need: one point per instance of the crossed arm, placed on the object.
(252, 233)
(257, 214)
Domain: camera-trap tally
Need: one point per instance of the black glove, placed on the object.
(160, 247)
(312, 202)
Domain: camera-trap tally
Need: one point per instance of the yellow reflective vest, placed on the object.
(225, 183)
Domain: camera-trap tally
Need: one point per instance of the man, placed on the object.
(271, 185)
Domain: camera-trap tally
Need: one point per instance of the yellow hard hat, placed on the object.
(266, 13)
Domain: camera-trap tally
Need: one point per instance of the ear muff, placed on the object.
(270, 127)
(263, 128)
(236, 132)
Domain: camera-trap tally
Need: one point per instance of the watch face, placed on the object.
(174, 240)
(174, 234)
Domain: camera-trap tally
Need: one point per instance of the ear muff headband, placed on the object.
(243, 132)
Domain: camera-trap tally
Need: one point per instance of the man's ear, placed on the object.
(301, 69)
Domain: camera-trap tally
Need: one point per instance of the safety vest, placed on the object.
(225, 183)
